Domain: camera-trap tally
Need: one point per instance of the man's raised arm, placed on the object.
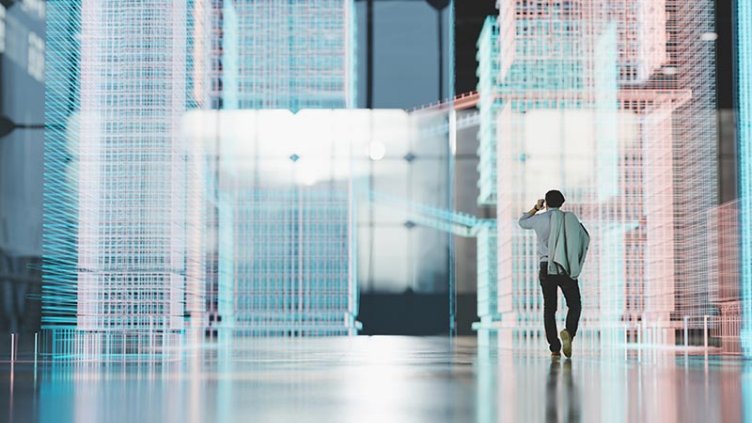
(526, 221)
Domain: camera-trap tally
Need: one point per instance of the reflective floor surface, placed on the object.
(382, 379)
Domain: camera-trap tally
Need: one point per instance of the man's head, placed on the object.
(554, 199)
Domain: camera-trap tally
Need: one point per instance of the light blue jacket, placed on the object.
(568, 243)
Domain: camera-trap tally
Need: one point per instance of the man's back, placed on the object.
(541, 224)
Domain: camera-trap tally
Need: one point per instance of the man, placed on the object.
(562, 247)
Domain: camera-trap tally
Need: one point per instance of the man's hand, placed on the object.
(537, 207)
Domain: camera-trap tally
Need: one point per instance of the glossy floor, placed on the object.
(382, 379)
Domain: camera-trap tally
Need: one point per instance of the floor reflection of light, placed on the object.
(12, 376)
(196, 379)
(386, 379)
(746, 400)
(375, 388)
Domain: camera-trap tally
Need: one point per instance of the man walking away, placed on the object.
(562, 247)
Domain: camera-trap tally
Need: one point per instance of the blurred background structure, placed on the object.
(22, 85)
(743, 14)
(336, 167)
(591, 98)
(204, 203)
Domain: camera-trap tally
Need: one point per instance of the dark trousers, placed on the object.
(570, 289)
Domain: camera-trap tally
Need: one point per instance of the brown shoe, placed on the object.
(566, 341)
(555, 354)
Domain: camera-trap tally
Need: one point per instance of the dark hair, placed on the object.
(554, 198)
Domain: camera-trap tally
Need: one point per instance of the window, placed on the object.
(35, 65)
(2, 28)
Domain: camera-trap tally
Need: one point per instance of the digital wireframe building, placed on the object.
(744, 136)
(115, 194)
(613, 103)
(289, 55)
(135, 250)
(288, 240)
(62, 93)
(286, 228)
(488, 57)
(273, 55)
(723, 274)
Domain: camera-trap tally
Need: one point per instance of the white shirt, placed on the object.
(541, 224)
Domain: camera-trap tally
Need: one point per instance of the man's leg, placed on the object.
(571, 290)
(549, 287)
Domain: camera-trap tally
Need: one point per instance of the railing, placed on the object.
(459, 102)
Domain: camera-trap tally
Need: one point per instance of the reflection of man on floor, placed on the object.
(562, 247)
(571, 397)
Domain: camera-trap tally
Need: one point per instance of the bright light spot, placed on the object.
(709, 36)
(308, 176)
(670, 70)
(376, 150)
